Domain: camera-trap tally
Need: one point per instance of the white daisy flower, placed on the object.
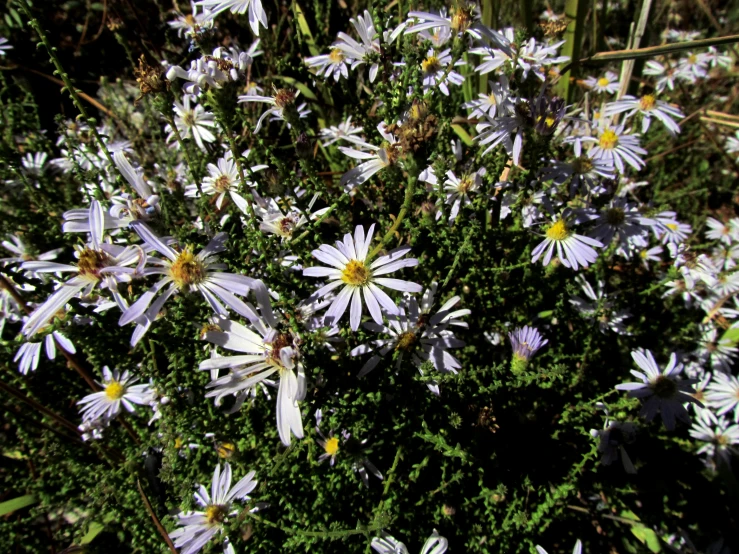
(378, 159)
(200, 527)
(118, 391)
(29, 353)
(330, 443)
(368, 51)
(650, 255)
(434, 68)
(343, 131)
(257, 15)
(223, 179)
(226, 65)
(721, 352)
(666, 76)
(351, 270)
(716, 230)
(99, 264)
(34, 165)
(611, 442)
(608, 83)
(661, 390)
(282, 101)
(22, 253)
(507, 130)
(192, 122)
(498, 100)
(722, 394)
(438, 36)
(458, 191)
(192, 24)
(463, 19)
(619, 218)
(585, 174)
(615, 145)
(718, 59)
(333, 64)
(693, 66)
(416, 332)
(647, 106)
(284, 223)
(573, 250)
(184, 271)
(669, 230)
(599, 308)
(721, 438)
(144, 205)
(264, 353)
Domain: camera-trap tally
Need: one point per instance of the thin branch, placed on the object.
(155, 519)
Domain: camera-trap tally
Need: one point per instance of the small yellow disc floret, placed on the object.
(558, 231)
(355, 273)
(114, 390)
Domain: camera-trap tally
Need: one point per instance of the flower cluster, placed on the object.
(417, 182)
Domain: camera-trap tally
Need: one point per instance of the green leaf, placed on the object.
(464, 135)
(305, 29)
(732, 335)
(643, 533)
(575, 11)
(10, 506)
(93, 531)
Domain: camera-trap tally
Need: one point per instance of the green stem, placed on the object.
(67, 82)
(407, 202)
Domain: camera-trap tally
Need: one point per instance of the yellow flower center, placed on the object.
(643, 254)
(332, 446)
(431, 64)
(187, 270)
(178, 443)
(114, 390)
(647, 102)
(355, 273)
(558, 231)
(336, 56)
(608, 140)
(671, 226)
(603, 82)
(692, 58)
(215, 514)
(465, 184)
(91, 262)
(406, 341)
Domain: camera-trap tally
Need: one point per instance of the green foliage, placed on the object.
(500, 461)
